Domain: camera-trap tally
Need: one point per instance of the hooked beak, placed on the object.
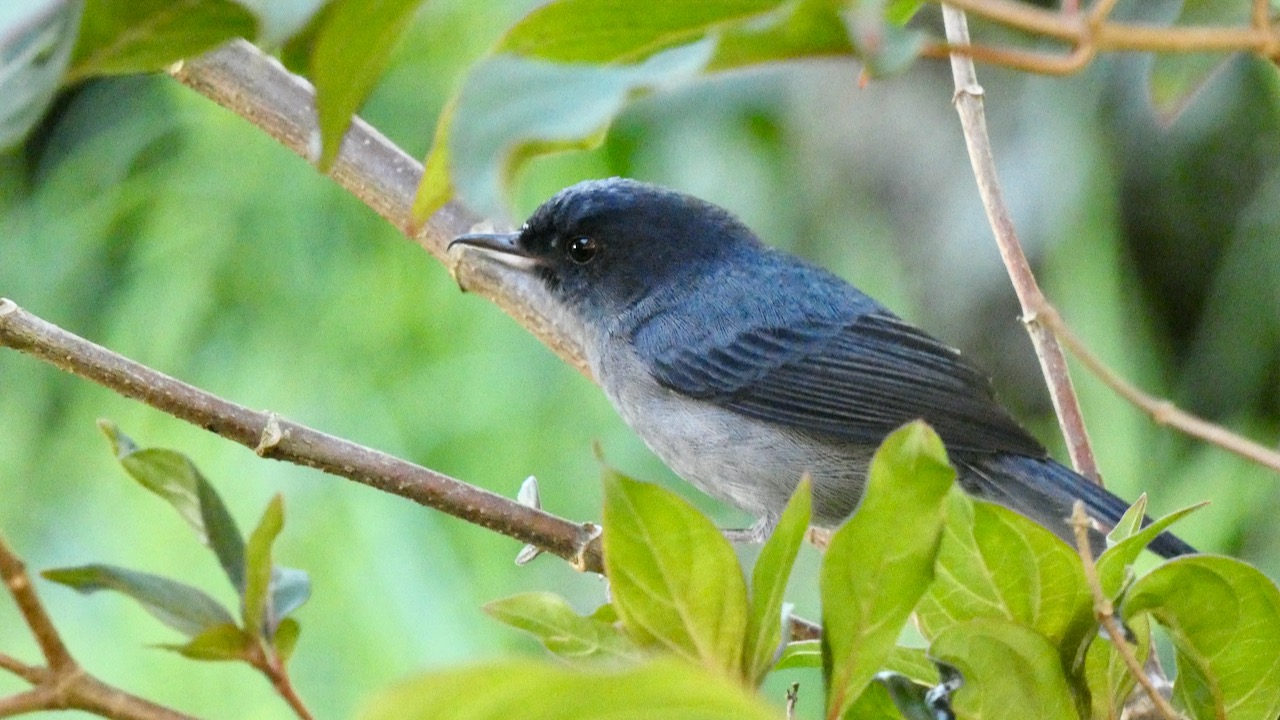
(501, 243)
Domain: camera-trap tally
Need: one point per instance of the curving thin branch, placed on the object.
(1053, 363)
(61, 684)
(1162, 412)
(1094, 32)
(1049, 332)
(1104, 612)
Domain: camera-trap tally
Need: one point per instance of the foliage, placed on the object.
(269, 593)
(1009, 639)
(556, 80)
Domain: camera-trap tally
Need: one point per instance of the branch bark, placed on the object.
(1093, 32)
(1104, 612)
(968, 102)
(62, 684)
(272, 436)
(258, 88)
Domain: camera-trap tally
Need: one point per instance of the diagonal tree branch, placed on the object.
(255, 86)
(271, 436)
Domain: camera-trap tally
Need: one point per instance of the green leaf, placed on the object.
(1106, 674)
(675, 580)
(35, 47)
(182, 607)
(884, 47)
(220, 642)
(258, 616)
(584, 641)
(662, 690)
(876, 703)
(898, 526)
(351, 51)
(602, 38)
(769, 583)
(173, 477)
(995, 563)
(281, 21)
(290, 589)
(914, 663)
(900, 12)
(622, 31)
(1224, 619)
(1009, 670)
(795, 30)
(800, 654)
(1116, 560)
(546, 107)
(1176, 77)
(1130, 522)
(286, 638)
(133, 36)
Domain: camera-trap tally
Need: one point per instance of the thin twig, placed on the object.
(1094, 33)
(63, 684)
(1105, 613)
(19, 584)
(1015, 59)
(968, 102)
(295, 443)
(1099, 13)
(264, 658)
(13, 665)
(1111, 36)
(1162, 411)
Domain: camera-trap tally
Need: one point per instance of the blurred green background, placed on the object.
(148, 220)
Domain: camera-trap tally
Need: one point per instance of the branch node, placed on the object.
(1163, 412)
(579, 561)
(271, 436)
(973, 90)
(7, 306)
(314, 146)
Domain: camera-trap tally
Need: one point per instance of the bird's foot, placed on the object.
(759, 531)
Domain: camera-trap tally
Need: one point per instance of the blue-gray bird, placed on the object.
(743, 367)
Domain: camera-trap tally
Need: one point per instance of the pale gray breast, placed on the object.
(747, 463)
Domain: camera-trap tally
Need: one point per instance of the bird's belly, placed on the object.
(747, 463)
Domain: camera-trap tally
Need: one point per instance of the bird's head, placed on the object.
(603, 245)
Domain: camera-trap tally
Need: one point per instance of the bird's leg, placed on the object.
(759, 531)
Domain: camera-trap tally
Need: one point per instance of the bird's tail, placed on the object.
(1045, 490)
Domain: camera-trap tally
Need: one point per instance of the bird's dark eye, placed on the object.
(582, 250)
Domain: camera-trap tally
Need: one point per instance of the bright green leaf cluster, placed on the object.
(1002, 603)
(268, 593)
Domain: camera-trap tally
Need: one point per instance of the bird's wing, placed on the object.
(853, 379)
